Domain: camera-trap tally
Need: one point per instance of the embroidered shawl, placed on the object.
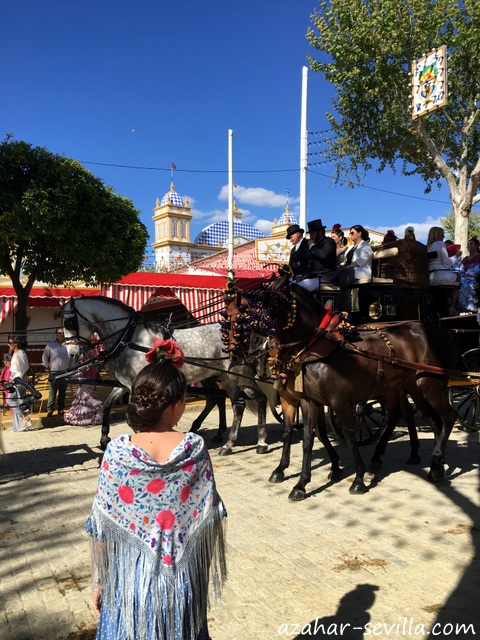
(157, 533)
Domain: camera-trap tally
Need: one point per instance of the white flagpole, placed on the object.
(230, 205)
(303, 151)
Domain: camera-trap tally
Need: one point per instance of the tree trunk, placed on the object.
(21, 318)
(461, 225)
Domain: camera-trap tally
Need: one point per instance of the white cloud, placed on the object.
(214, 215)
(265, 226)
(257, 196)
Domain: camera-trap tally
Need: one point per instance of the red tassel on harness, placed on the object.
(327, 317)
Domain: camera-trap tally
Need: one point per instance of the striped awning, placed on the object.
(204, 304)
(135, 296)
(7, 305)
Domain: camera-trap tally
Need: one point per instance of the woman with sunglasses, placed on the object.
(19, 366)
(358, 262)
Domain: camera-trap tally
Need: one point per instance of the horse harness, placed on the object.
(70, 321)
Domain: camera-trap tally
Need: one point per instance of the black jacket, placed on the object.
(323, 258)
(299, 258)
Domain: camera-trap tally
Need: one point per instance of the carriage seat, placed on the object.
(402, 263)
(324, 286)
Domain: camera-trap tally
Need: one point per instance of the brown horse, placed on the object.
(339, 373)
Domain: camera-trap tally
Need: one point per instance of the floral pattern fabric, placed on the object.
(152, 526)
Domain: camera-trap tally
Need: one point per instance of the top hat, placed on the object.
(293, 228)
(316, 225)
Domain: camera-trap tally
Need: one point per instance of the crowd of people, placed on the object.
(329, 259)
(86, 407)
(332, 259)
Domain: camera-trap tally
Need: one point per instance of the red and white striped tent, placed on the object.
(202, 295)
(40, 296)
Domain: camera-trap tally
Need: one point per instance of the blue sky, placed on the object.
(145, 84)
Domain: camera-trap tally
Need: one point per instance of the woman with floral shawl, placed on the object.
(156, 526)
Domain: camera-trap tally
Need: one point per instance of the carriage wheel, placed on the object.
(278, 415)
(370, 420)
(465, 398)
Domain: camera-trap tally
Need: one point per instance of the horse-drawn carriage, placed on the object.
(402, 352)
(400, 291)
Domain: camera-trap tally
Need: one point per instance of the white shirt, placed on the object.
(19, 365)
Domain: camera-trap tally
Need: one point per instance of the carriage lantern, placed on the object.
(383, 306)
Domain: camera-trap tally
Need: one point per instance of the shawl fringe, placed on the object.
(156, 600)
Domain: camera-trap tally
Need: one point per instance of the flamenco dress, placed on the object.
(467, 296)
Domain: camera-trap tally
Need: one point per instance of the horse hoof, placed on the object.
(277, 477)
(225, 451)
(375, 465)
(217, 438)
(413, 460)
(262, 449)
(436, 475)
(358, 487)
(335, 475)
(103, 443)
(296, 495)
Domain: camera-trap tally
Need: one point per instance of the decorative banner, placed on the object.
(273, 250)
(429, 82)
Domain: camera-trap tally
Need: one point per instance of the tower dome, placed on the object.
(172, 197)
(287, 218)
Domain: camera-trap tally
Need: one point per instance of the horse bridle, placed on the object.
(70, 322)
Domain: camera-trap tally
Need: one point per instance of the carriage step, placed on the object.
(445, 283)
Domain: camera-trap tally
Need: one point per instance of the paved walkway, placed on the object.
(392, 563)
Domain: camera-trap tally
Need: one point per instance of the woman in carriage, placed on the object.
(469, 270)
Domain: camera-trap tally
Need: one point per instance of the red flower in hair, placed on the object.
(336, 227)
(165, 351)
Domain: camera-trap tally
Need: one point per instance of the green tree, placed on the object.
(59, 223)
(367, 48)
(448, 223)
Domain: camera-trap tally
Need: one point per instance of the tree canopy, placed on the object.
(59, 223)
(367, 47)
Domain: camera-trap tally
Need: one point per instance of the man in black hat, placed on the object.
(300, 253)
(322, 259)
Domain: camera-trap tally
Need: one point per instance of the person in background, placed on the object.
(341, 242)
(469, 270)
(409, 233)
(5, 377)
(19, 366)
(300, 253)
(452, 248)
(389, 237)
(440, 264)
(156, 527)
(55, 358)
(87, 408)
(358, 263)
(322, 260)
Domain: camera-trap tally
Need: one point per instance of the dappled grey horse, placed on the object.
(125, 335)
